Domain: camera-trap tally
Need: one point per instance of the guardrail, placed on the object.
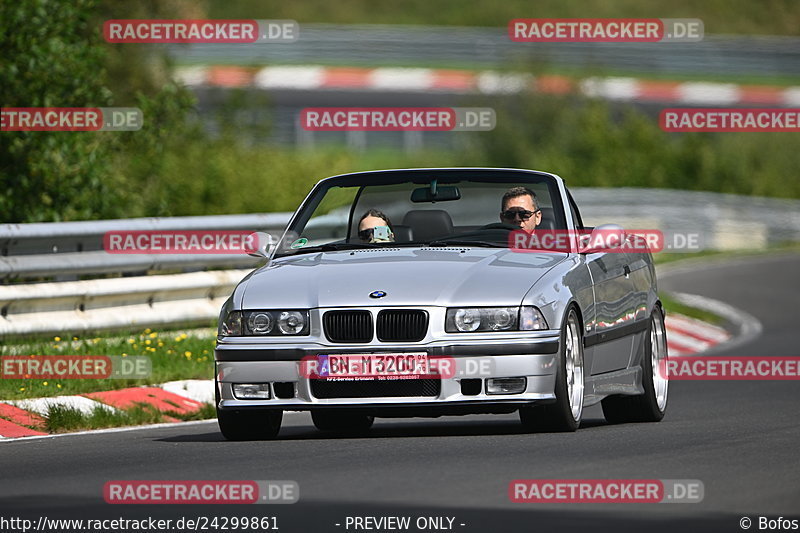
(75, 307)
(64, 251)
(69, 249)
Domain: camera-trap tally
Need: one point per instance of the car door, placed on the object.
(614, 311)
(610, 338)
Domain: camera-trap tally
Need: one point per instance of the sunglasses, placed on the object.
(376, 234)
(514, 212)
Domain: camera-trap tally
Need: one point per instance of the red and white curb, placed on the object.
(24, 418)
(687, 336)
(316, 77)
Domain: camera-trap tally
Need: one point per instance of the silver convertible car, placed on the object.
(404, 293)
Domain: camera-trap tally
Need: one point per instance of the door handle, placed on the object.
(627, 270)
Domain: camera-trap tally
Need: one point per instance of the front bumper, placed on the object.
(531, 357)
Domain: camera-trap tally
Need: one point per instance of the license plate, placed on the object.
(375, 365)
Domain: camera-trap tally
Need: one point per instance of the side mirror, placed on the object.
(260, 244)
(602, 239)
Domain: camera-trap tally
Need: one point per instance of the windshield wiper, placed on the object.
(336, 246)
(482, 244)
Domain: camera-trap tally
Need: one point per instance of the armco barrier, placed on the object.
(117, 303)
(76, 248)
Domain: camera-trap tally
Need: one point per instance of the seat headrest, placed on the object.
(429, 224)
(548, 219)
(403, 233)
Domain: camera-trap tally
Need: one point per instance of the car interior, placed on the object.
(456, 211)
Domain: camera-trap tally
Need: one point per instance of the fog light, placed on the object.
(506, 385)
(251, 391)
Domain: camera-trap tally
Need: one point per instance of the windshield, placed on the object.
(422, 208)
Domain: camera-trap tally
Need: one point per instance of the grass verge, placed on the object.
(663, 258)
(673, 306)
(174, 356)
(61, 419)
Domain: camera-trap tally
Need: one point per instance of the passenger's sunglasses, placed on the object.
(378, 233)
(514, 212)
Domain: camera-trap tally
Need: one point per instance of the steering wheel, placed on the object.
(500, 225)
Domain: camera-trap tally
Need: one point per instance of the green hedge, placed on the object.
(588, 143)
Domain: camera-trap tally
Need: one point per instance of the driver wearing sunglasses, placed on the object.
(520, 208)
(374, 227)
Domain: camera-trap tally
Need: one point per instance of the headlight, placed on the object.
(260, 323)
(292, 322)
(265, 323)
(531, 319)
(231, 326)
(467, 319)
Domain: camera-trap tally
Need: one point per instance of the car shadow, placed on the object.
(388, 428)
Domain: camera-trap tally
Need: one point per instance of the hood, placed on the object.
(408, 276)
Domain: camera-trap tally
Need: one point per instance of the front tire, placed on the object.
(566, 413)
(262, 424)
(652, 405)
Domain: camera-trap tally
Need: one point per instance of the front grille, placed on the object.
(402, 325)
(372, 388)
(348, 326)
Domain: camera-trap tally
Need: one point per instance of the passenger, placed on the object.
(519, 207)
(374, 226)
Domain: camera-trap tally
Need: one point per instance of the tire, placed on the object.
(566, 412)
(341, 420)
(261, 424)
(652, 405)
